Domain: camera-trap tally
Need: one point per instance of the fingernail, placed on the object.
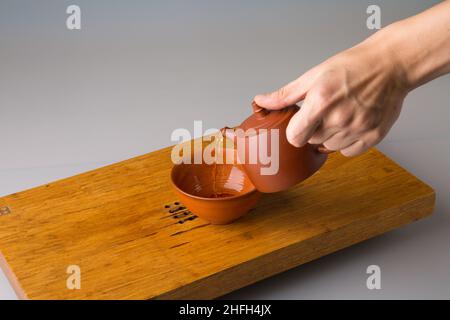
(262, 99)
(258, 98)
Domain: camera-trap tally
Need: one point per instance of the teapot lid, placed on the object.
(268, 119)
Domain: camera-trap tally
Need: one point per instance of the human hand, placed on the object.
(351, 100)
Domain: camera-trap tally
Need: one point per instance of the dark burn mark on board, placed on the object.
(187, 219)
(179, 212)
(178, 245)
(193, 228)
(177, 209)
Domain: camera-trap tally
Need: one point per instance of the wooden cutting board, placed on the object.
(118, 226)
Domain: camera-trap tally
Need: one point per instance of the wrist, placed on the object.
(382, 50)
(419, 45)
(395, 51)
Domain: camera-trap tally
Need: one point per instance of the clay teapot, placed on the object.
(294, 164)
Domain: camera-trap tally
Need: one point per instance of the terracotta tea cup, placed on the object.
(294, 164)
(218, 193)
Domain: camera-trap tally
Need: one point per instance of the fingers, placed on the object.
(337, 129)
(288, 95)
(332, 113)
(283, 97)
(304, 123)
(355, 149)
(339, 141)
(322, 134)
(365, 142)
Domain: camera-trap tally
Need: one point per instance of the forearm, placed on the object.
(420, 45)
(352, 100)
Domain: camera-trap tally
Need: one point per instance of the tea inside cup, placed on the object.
(212, 180)
(219, 193)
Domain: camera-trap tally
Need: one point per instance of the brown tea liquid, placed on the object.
(216, 193)
(223, 195)
(217, 146)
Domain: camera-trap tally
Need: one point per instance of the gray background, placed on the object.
(72, 101)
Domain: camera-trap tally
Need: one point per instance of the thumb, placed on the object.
(288, 95)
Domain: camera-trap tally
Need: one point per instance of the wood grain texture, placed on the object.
(112, 222)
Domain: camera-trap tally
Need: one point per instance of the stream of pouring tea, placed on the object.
(218, 144)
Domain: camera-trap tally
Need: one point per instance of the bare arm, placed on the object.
(421, 44)
(352, 100)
